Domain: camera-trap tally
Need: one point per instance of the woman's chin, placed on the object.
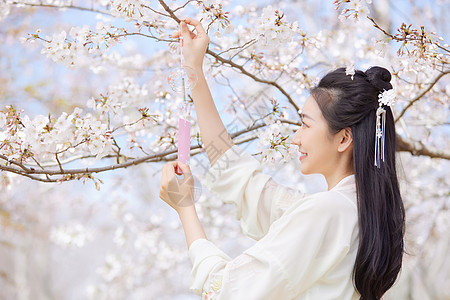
(304, 170)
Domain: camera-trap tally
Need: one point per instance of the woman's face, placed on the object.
(317, 147)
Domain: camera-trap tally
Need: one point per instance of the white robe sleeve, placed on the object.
(236, 177)
(299, 249)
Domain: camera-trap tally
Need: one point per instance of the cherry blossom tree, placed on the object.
(85, 99)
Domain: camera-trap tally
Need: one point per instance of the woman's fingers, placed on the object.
(175, 191)
(198, 26)
(176, 34)
(194, 45)
(168, 170)
(185, 169)
(185, 31)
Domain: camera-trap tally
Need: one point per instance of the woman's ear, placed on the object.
(345, 139)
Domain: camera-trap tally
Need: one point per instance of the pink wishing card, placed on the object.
(184, 142)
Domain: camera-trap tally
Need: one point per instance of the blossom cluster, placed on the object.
(131, 10)
(274, 144)
(127, 93)
(273, 29)
(44, 137)
(81, 45)
(356, 9)
(424, 46)
(213, 11)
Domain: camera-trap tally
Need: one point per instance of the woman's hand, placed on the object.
(175, 191)
(179, 193)
(194, 45)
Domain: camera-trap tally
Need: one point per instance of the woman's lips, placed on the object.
(303, 155)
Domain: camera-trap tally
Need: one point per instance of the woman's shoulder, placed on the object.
(334, 199)
(333, 204)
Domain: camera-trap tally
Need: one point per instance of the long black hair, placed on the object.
(348, 102)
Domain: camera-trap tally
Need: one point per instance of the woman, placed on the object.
(344, 243)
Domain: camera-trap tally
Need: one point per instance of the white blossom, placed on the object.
(350, 70)
(272, 29)
(387, 97)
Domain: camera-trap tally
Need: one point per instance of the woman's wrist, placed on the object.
(193, 229)
(186, 211)
(198, 69)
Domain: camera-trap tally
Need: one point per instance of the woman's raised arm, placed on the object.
(214, 136)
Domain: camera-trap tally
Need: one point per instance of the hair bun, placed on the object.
(379, 77)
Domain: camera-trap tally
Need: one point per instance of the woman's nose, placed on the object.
(296, 138)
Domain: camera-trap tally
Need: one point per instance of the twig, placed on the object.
(169, 11)
(14, 163)
(62, 6)
(255, 78)
(417, 148)
(22, 173)
(398, 39)
(183, 6)
(59, 163)
(155, 11)
(236, 66)
(242, 47)
(421, 95)
(144, 35)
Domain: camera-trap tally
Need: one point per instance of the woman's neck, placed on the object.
(336, 177)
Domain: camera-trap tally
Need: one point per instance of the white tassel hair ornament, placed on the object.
(385, 98)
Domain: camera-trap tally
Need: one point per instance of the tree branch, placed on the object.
(255, 78)
(418, 148)
(235, 65)
(169, 11)
(421, 95)
(415, 148)
(62, 6)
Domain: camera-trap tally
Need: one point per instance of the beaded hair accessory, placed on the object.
(385, 98)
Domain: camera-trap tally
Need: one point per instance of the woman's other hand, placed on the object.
(194, 45)
(175, 191)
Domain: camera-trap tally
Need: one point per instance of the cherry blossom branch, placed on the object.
(144, 35)
(162, 156)
(409, 35)
(183, 6)
(235, 65)
(155, 11)
(75, 158)
(415, 148)
(169, 11)
(25, 169)
(254, 77)
(418, 148)
(62, 6)
(26, 174)
(218, 57)
(59, 163)
(130, 124)
(242, 47)
(421, 94)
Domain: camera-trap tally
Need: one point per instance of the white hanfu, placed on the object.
(306, 246)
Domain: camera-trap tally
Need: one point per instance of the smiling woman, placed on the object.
(321, 152)
(343, 243)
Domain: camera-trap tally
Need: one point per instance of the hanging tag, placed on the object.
(184, 142)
